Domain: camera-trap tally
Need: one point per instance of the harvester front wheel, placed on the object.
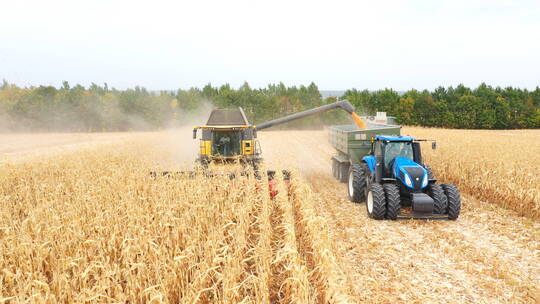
(454, 200)
(393, 201)
(357, 184)
(376, 202)
(439, 199)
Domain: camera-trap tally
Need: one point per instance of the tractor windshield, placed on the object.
(395, 149)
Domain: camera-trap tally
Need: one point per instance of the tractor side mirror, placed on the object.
(434, 145)
(195, 133)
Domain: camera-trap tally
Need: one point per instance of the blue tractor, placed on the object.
(393, 176)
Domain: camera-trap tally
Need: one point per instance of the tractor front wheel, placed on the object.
(454, 200)
(439, 199)
(393, 201)
(357, 183)
(376, 202)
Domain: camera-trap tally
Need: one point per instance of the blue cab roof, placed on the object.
(394, 138)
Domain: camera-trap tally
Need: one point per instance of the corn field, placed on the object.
(87, 223)
(501, 167)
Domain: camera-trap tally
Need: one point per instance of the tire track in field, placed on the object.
(437, 262)
(489, 255)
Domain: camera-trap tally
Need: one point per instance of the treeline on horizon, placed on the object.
(99, 108)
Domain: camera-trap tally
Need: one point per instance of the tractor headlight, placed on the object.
(408, 181)
(424, 180)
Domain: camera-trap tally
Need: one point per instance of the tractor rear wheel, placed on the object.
(357, 183)
(393, 201)
(439, 199)
(454, 200)
(376, 202)
(367, 174)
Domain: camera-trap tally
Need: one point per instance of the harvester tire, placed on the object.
(356, 185)
(343, 172)
(393, 201)
(440, 202)
(376, 202)
(454, 201)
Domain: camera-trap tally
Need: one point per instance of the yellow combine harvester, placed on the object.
(229, 137)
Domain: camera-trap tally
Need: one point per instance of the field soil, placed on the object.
(491, 254)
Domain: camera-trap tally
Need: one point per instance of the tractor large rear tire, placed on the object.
(393, 201)
(454, 201)
(439, 199)
(356, 185)
(376, 202)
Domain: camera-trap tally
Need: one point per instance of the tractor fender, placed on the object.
(370, 161)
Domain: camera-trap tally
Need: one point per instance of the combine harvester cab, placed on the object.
(385, 170)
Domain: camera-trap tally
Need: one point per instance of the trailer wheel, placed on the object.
(356, 184)
(440, 202)
(454, 201)
(376, 202)
(393, 201)
(343, 172)
(335, 169)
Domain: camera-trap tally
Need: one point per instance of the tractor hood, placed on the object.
(411, 174)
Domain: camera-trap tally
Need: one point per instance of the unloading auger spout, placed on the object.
(343, 104)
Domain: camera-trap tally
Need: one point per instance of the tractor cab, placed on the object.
(395, 157)
(400, 158)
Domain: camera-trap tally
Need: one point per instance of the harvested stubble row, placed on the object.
(95, 227)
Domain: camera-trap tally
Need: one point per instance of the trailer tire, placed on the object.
(454, 201)
(440, 201)
(376, 202)
(343, 172)
(393, 201)
(356, 185)
(335, 171)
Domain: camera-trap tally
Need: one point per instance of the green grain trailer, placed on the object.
(352, 144)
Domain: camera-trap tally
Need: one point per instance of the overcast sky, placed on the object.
(337, 44)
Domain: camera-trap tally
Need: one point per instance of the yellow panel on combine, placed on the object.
(205, 147)
(248, 147)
